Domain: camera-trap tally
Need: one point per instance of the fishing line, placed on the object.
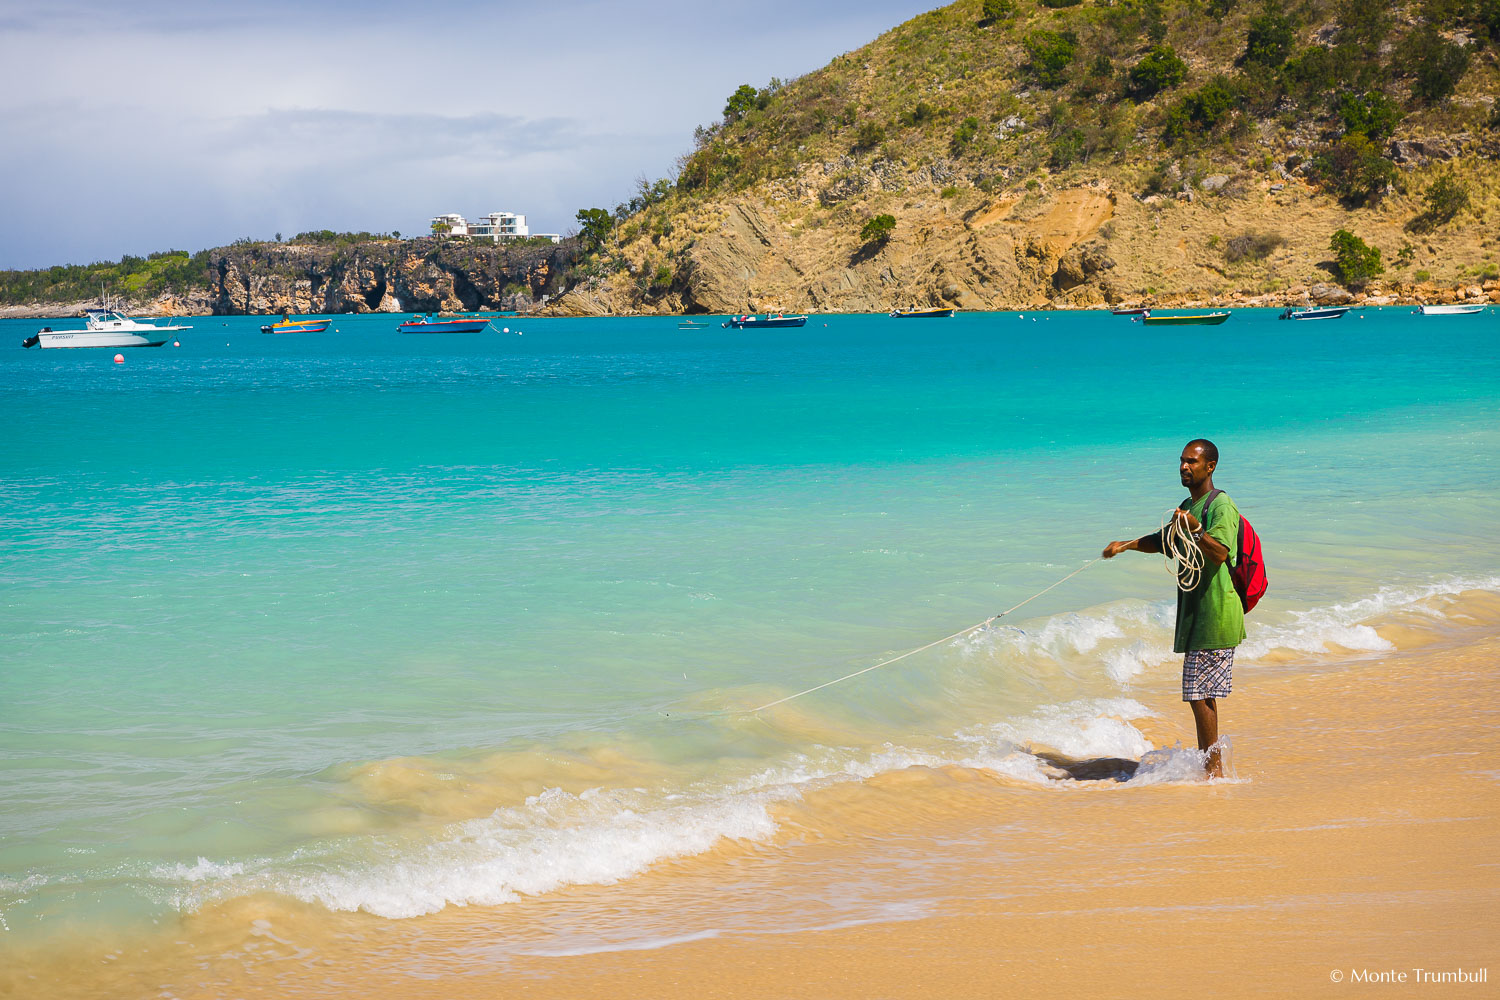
(913, 652)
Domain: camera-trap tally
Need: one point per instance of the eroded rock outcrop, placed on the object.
(424, 275)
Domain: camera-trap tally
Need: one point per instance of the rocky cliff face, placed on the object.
(423, 275)
(1090, 238)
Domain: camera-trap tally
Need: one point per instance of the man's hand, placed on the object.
(1188, 521)
(1115, 548)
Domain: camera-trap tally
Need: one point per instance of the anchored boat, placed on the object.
(764, 322)
(426, 324)
(105, 328)
(1449, 310)
(289, 325)
(1197, 319)
(1328, 312)
(934, 313)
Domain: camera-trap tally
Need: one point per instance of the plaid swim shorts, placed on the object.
(1207, 673)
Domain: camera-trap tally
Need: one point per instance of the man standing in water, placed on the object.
(1210, 617)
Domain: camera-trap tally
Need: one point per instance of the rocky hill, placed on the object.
(379, 275)
(1080, 153)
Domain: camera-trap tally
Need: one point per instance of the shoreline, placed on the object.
(75, 310)
(1345, 841)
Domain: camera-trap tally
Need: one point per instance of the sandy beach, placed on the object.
(1357, 839)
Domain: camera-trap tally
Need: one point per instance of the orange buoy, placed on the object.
(119, 359)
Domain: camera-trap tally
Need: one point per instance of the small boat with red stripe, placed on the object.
(426, 324)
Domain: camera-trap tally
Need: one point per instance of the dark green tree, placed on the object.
(743, 101)
(998, 10)
(1371, 114)
(1354, 170)
(1158, 70)
(1356, 262)
(1050, 54)
(1434, 63)
(878, 229)
(870, 135)
(1445, 198)
(594, 227)
(1203, 109)
(1272, 34)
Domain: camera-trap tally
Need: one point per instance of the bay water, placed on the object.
(392, 623)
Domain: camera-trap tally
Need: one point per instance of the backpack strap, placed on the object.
(1208, 502)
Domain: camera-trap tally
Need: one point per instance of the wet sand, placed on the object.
(1360, 835)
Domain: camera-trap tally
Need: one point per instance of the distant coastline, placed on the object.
(1392, 294)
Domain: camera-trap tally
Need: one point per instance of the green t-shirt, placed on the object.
(1211, 615)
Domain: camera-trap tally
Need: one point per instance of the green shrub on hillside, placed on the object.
(1251, 246)
(1365, 23)
(870, 135)
(1316, 71)
(878, 229)
(965, 133)
(1354, 170)
(1444, 200)
(1158, 70)
(1068, 148)
(1434, 63)
(1154, 20)
(998, 10)
(1050, 54)
(918, 114)
(741, 103)
(1272, 34)
(1203, 109)
(1356, 262)
(594, 227)
(1371, 114)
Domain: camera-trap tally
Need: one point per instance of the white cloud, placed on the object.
(134, 128)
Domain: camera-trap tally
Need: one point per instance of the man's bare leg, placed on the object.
(1206, 718)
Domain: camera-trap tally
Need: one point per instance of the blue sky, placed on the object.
(166, 124)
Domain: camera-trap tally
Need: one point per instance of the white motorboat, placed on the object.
(1450, 310)
(105, 328)
(1327, 312)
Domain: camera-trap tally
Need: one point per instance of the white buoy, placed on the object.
(176, 343)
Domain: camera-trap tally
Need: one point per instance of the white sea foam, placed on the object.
(602, 836)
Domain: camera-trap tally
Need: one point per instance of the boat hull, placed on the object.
(1451, 310)
(308, 326)
(922, 314)
(1304, 314)
(452, 326)
(104, 338)
(1209, 319)
(769, 322)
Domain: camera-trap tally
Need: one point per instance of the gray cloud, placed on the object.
(182, 125)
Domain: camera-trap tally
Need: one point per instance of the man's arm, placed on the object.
(1146, 543)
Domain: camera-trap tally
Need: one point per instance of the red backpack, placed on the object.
(1248, 571)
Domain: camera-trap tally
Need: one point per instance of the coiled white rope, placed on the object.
(913, 652)
(1181, 549)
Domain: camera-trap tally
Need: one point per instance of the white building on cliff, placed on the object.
(497, 227)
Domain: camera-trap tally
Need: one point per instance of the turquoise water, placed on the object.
(393, 622)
